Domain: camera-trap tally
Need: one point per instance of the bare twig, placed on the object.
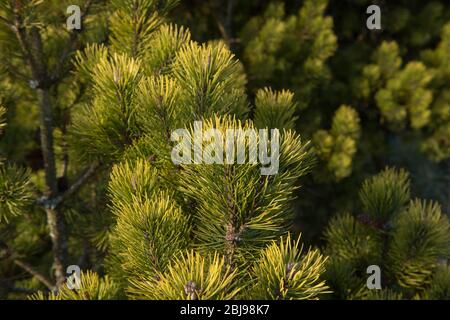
(56, 201)
(25, 266)
(31, 46)
(225, 22)
(229, 18)
(6, 22)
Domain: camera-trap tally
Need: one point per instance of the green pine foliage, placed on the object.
(91, 120)
(440, 285)
(437, 143)
(277, 44)
(228, 231)
(193, 277)
(401, 95)
(336, 147)
(410, 95)
(275, 109)
(16, 192)
(405, 238)
(91, 287)
(385, 194)
(285, 272)
(16, 189)
(166, 238)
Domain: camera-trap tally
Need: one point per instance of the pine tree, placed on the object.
(164, 231)
(91, 120)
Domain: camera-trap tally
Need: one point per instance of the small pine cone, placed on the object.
(364, 218)
(290, 269)
(191, 290)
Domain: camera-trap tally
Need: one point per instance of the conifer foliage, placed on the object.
(178, 231)
(407, 238)
(102, 167)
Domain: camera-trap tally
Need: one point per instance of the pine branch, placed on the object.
(229, 17)
(92, 287)
(6, 22)
(34, 55)
(32, 49)
(88, 173)
(54, 218)
(28, 268)
(21, 36)
(225, 21)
